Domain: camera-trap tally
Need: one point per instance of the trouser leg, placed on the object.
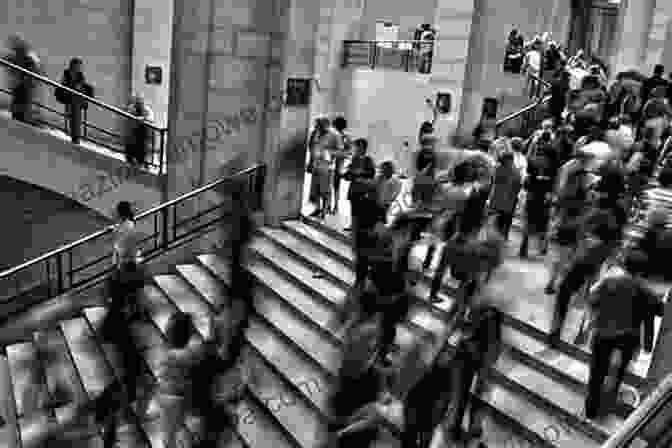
(599, 367)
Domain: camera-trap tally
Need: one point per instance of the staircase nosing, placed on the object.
(13, 409)
(110, 367)
(43, 378)
(71, 358)
(332, 252)
(591, 430)
(252, 395)
(276, 371)
(550, 407)
(559, 376)
(412, 326)
(569, 349)
(299, 283)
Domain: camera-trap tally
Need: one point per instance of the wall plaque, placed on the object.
(298, 92)
(153, 74)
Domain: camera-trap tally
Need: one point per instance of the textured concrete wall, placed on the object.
(493, 20)
(152, 42)
(658, 37)
(98, 31)
(372, 107)
(408, 15)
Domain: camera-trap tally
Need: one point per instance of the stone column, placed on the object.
(667, 51)
(287, 132)
(635, 18)
(658, 35)
(152, 42)
(456, 20)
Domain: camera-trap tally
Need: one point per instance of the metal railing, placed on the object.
(525, 120)
(164, 227)
(407, 55)
(649, 424)
(102, 135)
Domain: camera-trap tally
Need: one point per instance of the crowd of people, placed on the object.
(576, 178)
(590, 185)
(24, 88)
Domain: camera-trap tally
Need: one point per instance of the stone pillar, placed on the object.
(635, 18)
(338, 22)
(667, 51)
(287, 132)
(455, 20)
(152, 42)
(475, 74)
(657, 37)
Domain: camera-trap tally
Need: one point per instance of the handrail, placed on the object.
(640, 417)
(387, 41)
(520, 112)
(109, 229)
(89, 99)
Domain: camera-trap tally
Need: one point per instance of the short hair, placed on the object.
(659, 69)
(361, 143)
(665, 177)
(506, 157)
(387, 165)
(340, 123)
(124, 210)
(179, 329)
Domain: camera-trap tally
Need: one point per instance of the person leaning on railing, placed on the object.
(73, 77)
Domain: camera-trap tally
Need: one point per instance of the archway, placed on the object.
(594, 26)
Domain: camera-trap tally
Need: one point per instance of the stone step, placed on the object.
(516, 317)
(9, 430)
(568, 399)
(309, 342)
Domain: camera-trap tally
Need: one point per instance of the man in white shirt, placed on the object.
(532, 66)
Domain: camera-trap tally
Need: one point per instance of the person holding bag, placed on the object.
(73, 78)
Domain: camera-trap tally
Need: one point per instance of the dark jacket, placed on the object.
(508, 182)
(361, 169)
(623, 304)
(650, 84)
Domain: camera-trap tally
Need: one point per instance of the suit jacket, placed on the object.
(623, 304)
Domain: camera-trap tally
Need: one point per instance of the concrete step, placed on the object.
(561, 394)
(516, 317)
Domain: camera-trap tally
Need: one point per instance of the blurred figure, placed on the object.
(73, 77)
(656, 80)
(477, 351)
(139, 136)
(619, 327)
(23, 86)
(559, 91)
(541, 173)
(181, 353)
(532, 68)
(504, 196)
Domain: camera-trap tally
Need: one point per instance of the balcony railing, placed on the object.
(407, 55)
(89, 260)
(112, 136)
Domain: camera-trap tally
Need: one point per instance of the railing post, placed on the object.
(162, 152)
(59, 274)
(372, 54)
(165, 241)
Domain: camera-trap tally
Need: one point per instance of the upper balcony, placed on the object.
(407, 55)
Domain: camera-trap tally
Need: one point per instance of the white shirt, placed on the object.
(533, 61)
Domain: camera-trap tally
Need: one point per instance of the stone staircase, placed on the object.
(302, 270)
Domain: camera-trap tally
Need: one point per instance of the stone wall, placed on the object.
(98, 31)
